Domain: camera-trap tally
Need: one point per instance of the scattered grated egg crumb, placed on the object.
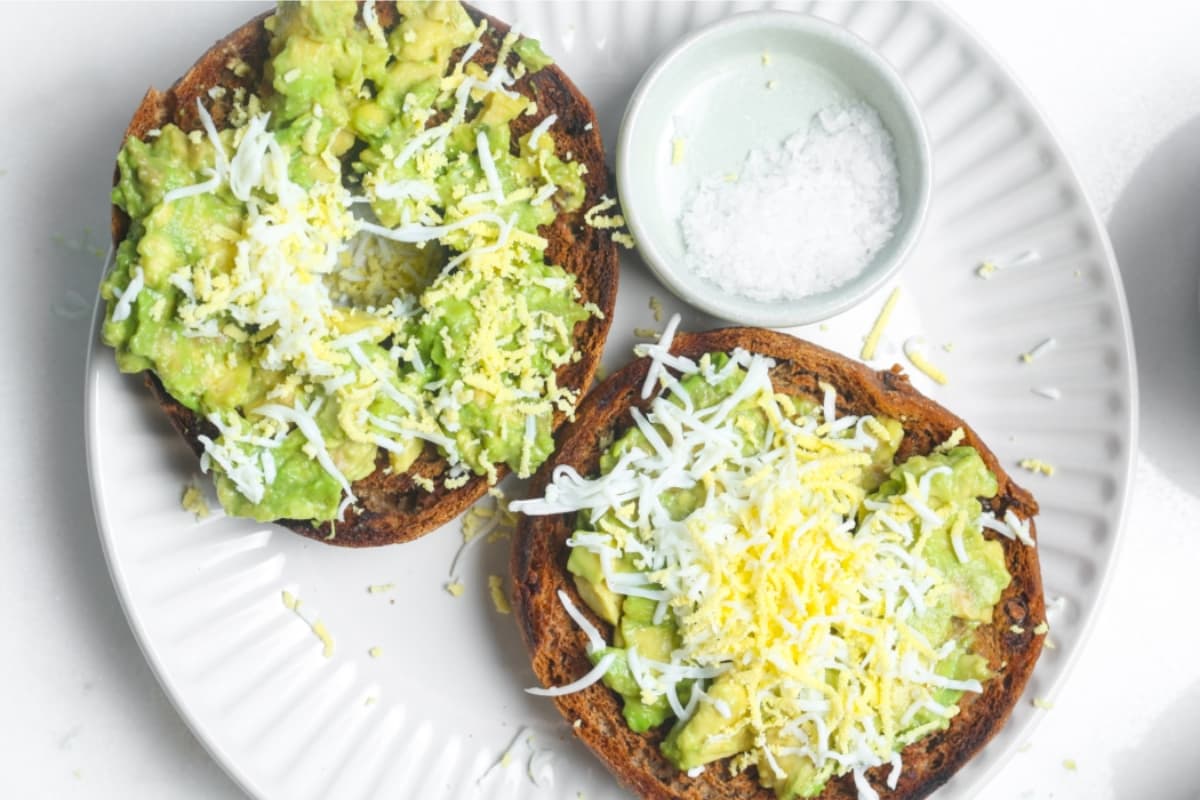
(194, 501)
(499, 598)
(1042, 348)
(1037, 465)
(914, 350)
(656, 306)
(877, 328)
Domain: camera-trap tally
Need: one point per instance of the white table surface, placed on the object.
(83, 715)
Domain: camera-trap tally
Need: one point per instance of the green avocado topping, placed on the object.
(352, 266)
(804, 606)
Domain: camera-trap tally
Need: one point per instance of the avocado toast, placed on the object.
(354, 266)
(721, 617)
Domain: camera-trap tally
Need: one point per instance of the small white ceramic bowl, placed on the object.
(713, 89)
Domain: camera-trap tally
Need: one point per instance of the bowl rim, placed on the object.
(703, 294)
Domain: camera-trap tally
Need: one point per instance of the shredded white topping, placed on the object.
(1013, 527)
(405, 190)
(489, 167)
(304, 419)
(593, 675)
(595, 640)
(1043, 347)
(222, 162)
(660, 355)
(125, 303)
(371, 20)
(541, 128)
(543, 194)
(412, 234)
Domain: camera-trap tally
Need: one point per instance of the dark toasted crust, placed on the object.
(391, 507)
(557, 646)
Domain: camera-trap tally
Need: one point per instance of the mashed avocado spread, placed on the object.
(780, 591)
(354, 262)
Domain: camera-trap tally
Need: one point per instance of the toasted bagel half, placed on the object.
(557, 646)
(393, 507)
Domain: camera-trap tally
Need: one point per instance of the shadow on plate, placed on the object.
(1155, 768)
(1155, 230)
(72, 254)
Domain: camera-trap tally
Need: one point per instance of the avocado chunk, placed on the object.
(707, 736)
(618, 678)
(655, 642)
(589, 582)
(531, 54)
(641, 717)
(639, 609)
(802, 778)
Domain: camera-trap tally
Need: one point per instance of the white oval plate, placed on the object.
(433, 713)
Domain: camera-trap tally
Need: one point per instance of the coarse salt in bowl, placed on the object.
(774, 169)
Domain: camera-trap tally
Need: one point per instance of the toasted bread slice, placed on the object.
(557, 645)
(392, 507)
